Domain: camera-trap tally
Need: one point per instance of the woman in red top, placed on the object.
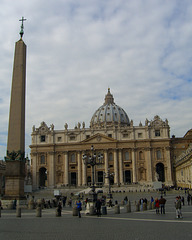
(157, 205)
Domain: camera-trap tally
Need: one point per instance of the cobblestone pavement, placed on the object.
(135, 225)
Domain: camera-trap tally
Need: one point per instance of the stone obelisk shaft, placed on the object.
(16, 131)
(15, 159)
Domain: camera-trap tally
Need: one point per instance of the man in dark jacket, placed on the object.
(162, 202)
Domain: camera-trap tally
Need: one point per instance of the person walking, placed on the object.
(162, 202)
(79, 208)
(178, 208)
(157, 205)
(188, 199)
(98, 207)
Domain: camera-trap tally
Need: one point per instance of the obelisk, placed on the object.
(15, 158)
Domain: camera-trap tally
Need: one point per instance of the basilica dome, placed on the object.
(109, 114)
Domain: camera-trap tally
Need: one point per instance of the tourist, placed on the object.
(188, 198)
(178, 208)
(141, 204)
(14, 204)
(157, 205)
(98, 207)
(183, 200)
(126, 200)
(79, 208)
(59, 208)
(162, 202)
(70, 202)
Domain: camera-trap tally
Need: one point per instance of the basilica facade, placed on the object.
(131, 154)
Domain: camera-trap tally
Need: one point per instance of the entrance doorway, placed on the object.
(127, 176)
(42, 177)
(160, 172)
(73, 178)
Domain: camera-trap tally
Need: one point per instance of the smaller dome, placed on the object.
(109, 114)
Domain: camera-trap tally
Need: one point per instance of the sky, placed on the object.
(76, 50)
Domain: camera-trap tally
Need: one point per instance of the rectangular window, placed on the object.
(42, 138)
(72, 138)
(125, 135)
(140, 135)
(87, 136)
(110, 135)
(59, 139)
(157, 133)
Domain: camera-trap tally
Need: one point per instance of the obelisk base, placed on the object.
(14, 180)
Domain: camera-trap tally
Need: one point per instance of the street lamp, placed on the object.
(92, 160)
(110, 177)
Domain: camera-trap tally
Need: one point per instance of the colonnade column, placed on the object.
(121, 167)
(149, 165)
(79, 169)
(51, 173)
(116, 177)
(84, 173)
(66, 175)
(34, 170)
(106, 166)
(134, 166)
(169, 179)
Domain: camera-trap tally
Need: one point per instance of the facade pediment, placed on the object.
(99, 138)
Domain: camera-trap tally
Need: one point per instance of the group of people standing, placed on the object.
(159, 203)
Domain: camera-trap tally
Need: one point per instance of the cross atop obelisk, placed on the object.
(22, 26)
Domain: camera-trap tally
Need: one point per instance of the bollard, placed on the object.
(150, 205)
(75, 211)
(18, 212)
(38, 212)
(117, 209)
(128, 207)
(10, 205)
(137, 207)
(31, 204)
(104, 210)
(144, 206)
(91, 210)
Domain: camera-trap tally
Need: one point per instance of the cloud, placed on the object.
(77, 49)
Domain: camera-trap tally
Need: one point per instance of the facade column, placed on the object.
(169, 179)
(106, 166)
(84, 173)
(149, 165)
(134, 166)
(51, 173)
(34, 170)
(116, 177)
(79, 169)
(66, 174)
(121, 167)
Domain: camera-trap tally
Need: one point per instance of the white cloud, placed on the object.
(77, 49)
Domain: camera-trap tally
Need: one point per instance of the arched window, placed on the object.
(141, 155)
(158, 154)
(110, 156)
(126, 156)
(73, 157)
(42, 159)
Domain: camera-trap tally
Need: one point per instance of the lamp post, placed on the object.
(109, 176)
(92, 160)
